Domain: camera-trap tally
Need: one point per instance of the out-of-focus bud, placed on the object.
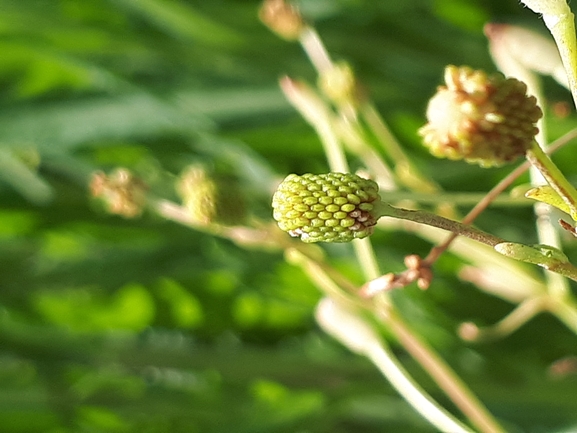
(485, 119)
(122, 193)
(339, 84)
(211, 199)
(282, 18)
(333, 207)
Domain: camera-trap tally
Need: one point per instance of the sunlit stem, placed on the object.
(446, 378)
(560, 21)
(566, 311)
(315, 50)
(404, 169)
(434, 220)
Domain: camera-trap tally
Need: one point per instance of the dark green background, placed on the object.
(115, 325)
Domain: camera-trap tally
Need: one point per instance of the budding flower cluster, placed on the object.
(333, 207)
(486, 119)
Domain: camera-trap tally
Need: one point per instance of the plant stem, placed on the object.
(524, 312)
(492, 197)
(355, 332)
(431, 219)
(385, 361)
(445, 377)
(566, 311)
(405, 170)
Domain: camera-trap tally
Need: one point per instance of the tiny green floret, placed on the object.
(333, 207)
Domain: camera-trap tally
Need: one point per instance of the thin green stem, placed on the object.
(384, 359)
(566, 311)
(367, 258)
(520, 315)
(404, 169)
(434, 220)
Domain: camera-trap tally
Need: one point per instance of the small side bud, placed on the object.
(333, 207)
(122, 192)
(282, 18)
(339, 84)
(209, 199)
(485, 119)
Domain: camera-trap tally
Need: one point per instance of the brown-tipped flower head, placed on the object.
(333, 207)
(211, 199)
(282, 18)
(122, 192)
(486, 119)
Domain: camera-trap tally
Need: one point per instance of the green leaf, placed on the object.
(546, 194)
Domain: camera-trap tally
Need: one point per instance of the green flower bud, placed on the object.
(211, 199)
(485, 119)
(333, 207)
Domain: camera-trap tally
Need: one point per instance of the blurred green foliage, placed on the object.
(115, 325)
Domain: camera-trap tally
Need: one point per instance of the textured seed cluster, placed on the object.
(485, 119)
(333, 207)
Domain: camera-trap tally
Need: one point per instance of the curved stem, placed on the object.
(431, 219)
(524, 312)
(383, 358)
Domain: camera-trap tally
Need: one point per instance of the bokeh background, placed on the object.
(110, 324)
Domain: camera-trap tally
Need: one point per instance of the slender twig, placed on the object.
(434, 220)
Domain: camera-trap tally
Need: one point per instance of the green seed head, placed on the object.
(333, 207)
(485, 119)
